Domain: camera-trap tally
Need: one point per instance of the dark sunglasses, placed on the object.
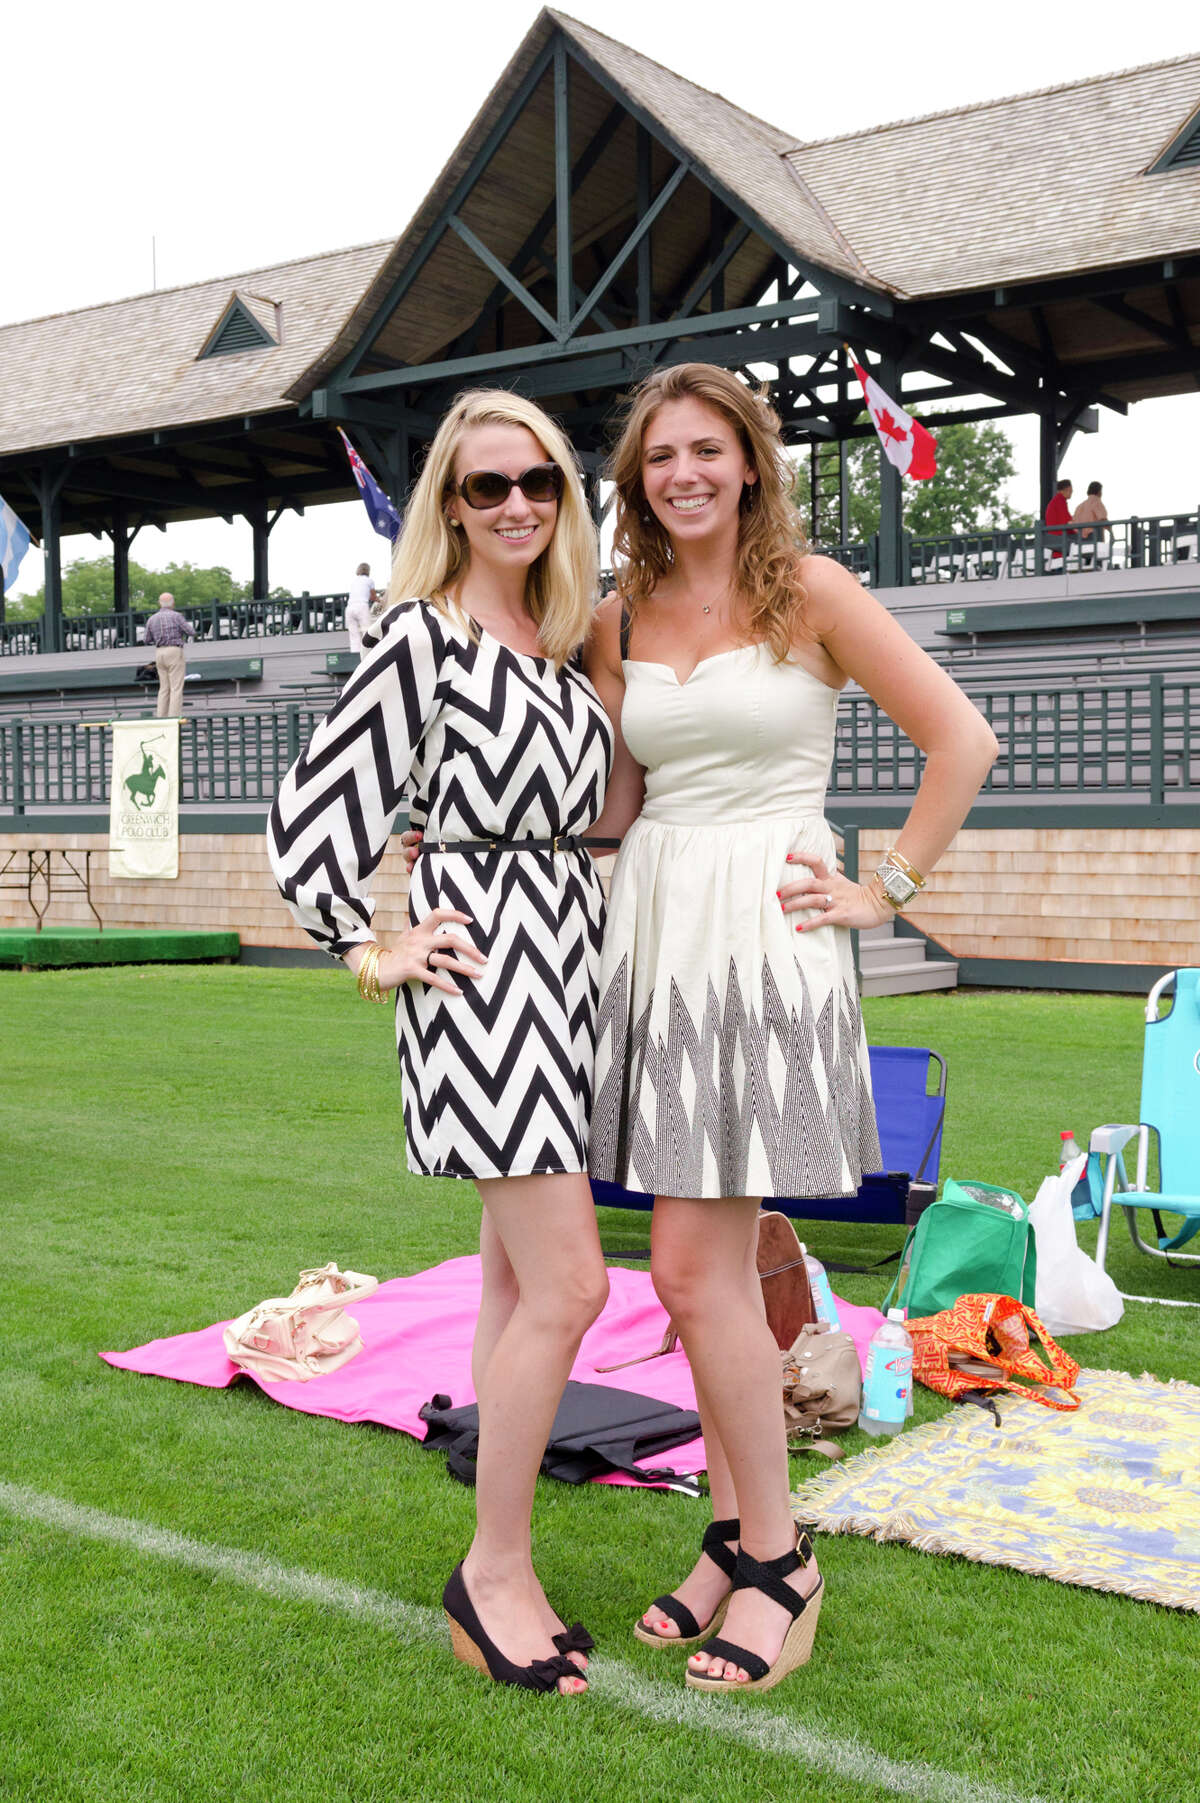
(488, 488)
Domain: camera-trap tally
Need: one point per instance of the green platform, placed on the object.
(55, 947)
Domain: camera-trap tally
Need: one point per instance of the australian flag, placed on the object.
(14, 542)
(382, 514)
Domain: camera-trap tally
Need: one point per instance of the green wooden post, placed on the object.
(891, 496)
(122, 538)
(257, 516)
(18, 750)
(1157, 738)
(562, 188)
(50, 494)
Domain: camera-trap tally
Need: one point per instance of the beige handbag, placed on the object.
(305, 1334)
(822, 1386)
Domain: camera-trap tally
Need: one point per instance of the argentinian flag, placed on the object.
(14, 542)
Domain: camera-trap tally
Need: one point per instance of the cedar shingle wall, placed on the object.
(224, 882)
(1119, 897)
(1130, 897)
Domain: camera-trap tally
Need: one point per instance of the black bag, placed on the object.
(596, 1430)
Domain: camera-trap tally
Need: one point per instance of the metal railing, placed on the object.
(1139, 739)
(1136, 740)
(224, 758)
(1143, 541)
(215, 620)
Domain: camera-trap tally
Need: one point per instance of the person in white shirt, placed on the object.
(358, 607)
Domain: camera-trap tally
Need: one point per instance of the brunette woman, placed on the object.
(732, 1063)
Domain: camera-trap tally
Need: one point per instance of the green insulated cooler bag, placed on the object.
(976, 1239)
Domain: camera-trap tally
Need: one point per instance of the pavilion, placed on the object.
(603, 214)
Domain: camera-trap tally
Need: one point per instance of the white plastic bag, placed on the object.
(1073, 1294)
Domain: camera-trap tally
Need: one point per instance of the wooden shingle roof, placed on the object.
(134, 365)
(1039, 185)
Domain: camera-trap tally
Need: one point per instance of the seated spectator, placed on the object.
(1091, 508)
(1058, 514)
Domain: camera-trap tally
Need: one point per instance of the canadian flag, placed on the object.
(905, 441)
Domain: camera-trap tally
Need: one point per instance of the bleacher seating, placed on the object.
(53, 686)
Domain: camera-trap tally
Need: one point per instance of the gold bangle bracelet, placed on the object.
(374, 992)
(368, 974)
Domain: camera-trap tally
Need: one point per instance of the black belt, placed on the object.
(560, 842)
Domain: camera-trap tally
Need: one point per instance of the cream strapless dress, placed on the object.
(731, 1056)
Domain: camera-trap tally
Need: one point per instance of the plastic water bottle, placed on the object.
(887, 1386)
(822, 1289)
(1069, 1149)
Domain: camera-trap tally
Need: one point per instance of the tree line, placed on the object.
(87, 588)
(974, 463)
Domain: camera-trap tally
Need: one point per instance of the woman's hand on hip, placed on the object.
(410, 839)
(825, 898)
(429, 952)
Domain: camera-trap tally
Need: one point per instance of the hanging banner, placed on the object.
(143, 827)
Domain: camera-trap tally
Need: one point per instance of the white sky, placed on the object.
(239, 133)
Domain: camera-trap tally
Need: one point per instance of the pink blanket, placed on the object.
(417, 1333)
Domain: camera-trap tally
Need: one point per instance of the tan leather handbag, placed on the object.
(822, 1386)
(303, 1335)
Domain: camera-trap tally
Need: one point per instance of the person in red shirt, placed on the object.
(1058, 514)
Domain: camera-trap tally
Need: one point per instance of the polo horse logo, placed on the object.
(142, 786)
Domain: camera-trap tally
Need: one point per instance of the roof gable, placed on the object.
(432, 286)
(242, 327)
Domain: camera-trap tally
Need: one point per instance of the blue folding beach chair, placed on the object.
(1170, 1109)
(910, 1116)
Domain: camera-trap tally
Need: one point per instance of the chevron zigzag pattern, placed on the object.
(490, 744)
(733, 1101)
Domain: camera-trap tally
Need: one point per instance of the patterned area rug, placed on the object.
(1107, 1497)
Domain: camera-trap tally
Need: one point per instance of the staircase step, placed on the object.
(910, 979)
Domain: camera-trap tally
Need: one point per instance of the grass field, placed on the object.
(204, 1596)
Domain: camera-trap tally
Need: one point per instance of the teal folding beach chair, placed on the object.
(1170, 1109)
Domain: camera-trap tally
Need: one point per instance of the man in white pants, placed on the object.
(358, 606)
(169, 632)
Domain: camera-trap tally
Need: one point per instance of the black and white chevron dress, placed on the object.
(490, 743)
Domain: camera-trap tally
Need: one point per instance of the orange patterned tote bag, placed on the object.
(986, 1343)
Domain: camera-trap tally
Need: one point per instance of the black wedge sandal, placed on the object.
(768, 1576)
(690, 1631)
(472, 1645)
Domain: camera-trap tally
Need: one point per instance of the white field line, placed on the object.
(610, 1680)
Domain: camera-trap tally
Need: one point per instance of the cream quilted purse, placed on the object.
(302, 1335)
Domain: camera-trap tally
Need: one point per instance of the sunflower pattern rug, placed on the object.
(1107, 1497)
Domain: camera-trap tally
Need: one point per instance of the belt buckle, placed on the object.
(554, 843)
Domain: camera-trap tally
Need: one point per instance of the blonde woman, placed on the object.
(732, 1063)
(468, 695)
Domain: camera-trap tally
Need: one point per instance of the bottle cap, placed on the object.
(1067, 1133)
(896, 1314)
